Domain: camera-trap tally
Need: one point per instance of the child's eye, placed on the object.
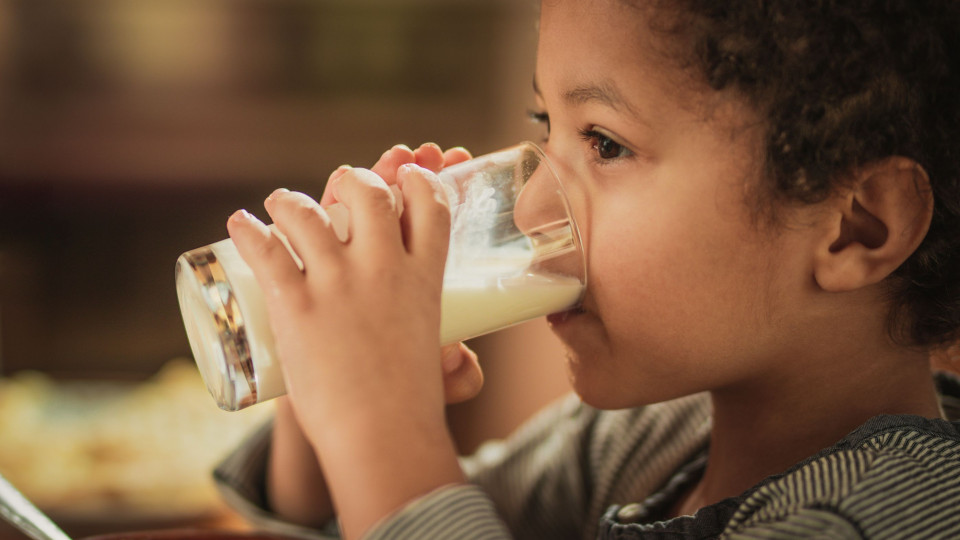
(540, 117)
(606, 148)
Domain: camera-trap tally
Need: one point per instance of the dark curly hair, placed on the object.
(842, 83)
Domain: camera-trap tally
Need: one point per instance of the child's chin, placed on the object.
(602, 400)
(593, 390)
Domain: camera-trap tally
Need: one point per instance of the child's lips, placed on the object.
(562, 317)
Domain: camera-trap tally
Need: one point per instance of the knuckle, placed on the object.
(367, 179)
(382, 201)
(305, 212)
(296, 202)
(364, 177)
(332, 276)
(372, 190)
(300, 208)
(299, 301)
(268, 249)
(439, 210)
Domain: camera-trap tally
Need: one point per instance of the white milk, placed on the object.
(473, 307)
(472, 304)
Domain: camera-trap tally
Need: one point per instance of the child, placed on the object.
(770, 199)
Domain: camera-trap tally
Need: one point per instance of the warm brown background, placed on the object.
(131, 129)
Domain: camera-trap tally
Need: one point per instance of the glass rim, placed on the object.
(567, 207)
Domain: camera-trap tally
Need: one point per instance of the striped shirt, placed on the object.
(574, 472)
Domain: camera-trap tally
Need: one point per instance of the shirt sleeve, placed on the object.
(241, 480)
(462, 511)
(529, 485)
(539, 478)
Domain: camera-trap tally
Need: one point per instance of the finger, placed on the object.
(373, 211)
(306, 225)
(426, 216)
(462, 376)
(327, 198)
(386, 167)
(271, 263)
(456, 155)
(429, 156)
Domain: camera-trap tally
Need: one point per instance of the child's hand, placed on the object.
(463, 377)
(363, 316)
(428, 155)
(357, 332)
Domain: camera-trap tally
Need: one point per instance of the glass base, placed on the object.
(216, 329)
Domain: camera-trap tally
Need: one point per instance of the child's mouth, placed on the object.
(563, 316)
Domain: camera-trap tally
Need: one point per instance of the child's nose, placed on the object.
(543, 213)
(539, 203)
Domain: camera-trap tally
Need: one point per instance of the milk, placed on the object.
(473, 307)
(473, 302)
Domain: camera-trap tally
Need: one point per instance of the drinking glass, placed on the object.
(515, 254)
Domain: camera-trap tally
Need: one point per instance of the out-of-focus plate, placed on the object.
(128, 455)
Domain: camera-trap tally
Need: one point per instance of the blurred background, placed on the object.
(131, 129)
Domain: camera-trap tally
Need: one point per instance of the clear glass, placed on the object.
(515, 254)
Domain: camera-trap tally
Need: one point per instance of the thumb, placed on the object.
(462, 376)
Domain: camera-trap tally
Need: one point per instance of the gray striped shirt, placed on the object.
(574, 472)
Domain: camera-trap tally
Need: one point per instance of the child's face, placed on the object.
(685, 292)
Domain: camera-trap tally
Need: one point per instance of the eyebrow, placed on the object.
(604, 93)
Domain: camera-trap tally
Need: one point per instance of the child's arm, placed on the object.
(296, 489)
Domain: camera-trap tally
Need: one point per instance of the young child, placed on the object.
(770, 199)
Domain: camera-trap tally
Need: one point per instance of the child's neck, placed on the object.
(766, 426)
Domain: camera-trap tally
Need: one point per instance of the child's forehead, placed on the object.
(609, 36)
(625, 53)
(602, 52)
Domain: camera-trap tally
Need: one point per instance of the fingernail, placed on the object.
(277, 192)
(241, 215)
(404, 171)
(338, 172)
(401, 147)
(245, 219)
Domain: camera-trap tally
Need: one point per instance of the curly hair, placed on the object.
(842, 83)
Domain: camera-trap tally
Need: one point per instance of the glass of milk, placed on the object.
(515, 254)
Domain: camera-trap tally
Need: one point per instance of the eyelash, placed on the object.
(597, 139)
(587, 135)
(539, 117)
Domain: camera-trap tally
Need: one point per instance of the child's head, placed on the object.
(684, 121)
(842, 84)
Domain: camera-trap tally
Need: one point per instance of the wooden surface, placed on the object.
(226, 520)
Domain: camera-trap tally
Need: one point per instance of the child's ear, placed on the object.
(875, 226)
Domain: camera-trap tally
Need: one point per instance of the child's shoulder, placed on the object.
(895, 476)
